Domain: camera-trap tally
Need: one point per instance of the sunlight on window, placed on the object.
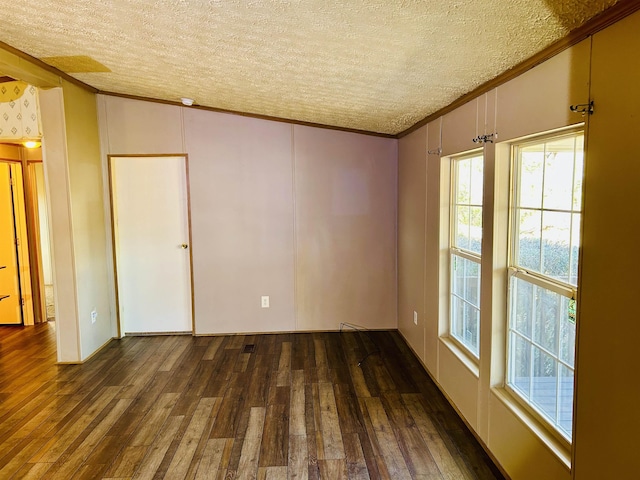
(545, 238)
(466, 245)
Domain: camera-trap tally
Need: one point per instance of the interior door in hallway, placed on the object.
(10, 297)
(151, 232)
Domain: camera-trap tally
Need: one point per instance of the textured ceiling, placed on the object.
(378, 65)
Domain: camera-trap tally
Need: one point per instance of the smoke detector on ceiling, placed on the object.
(187, 101)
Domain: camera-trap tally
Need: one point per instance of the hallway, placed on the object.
(262, 406)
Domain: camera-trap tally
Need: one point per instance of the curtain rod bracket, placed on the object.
(484, 138)
(582, 108)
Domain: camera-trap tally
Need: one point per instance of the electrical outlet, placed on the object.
(415, 317)
(265, 301)
(94, 315)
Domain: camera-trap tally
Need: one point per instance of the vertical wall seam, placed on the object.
(295, 230)
(183, 135)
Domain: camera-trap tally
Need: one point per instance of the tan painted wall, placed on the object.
(88, 219)
(412, 175)
(304, 215)
(607, 417)
(57, 179)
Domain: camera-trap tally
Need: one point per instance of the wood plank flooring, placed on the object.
(178, 407)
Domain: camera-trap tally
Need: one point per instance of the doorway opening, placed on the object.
(26, 279)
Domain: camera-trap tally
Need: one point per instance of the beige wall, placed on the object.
(88, 220)
(412, 175)
(345, 187)
(304, 215)
(54, 148)
(608, 393)
(241, 182)
(536, 102)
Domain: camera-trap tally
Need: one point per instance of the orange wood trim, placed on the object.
(193, 300)
(45, 66)
(252, 115)
(601, 21)
(139, 155)
(33, 242)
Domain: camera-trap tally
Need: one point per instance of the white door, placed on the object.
(153, 272)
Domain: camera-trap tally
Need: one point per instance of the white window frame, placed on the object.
(465, 254)
(537, 279)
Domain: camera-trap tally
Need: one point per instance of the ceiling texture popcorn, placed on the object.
(377, 65)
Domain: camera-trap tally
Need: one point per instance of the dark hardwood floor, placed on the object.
(293, 406)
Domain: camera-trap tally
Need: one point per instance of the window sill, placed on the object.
(541, 431)
(467, 360)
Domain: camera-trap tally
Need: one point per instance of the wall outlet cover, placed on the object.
(265, 301)
(94, 316)
(415, 317)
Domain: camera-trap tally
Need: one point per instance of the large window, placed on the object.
(465, 251)
(543, 275)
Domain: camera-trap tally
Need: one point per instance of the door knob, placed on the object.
(184, 246)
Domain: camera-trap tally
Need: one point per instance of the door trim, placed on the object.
(110, 157)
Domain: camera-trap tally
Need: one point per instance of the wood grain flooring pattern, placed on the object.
(265, 407)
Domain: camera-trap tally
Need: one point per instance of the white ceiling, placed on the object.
(378, 65)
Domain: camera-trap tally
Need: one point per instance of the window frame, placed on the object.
(465, 254)
(537, 279)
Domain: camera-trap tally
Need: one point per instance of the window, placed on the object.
(465, 251)
(543, 276)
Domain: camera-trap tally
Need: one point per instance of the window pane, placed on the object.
(529, 240)
(476, 180)
(472, 285)
(556, 238)
(463, 181)
(461, 239)
(475, 230)
(457, 317)
(522, 303)
(472, 329)
(520, 375)
(544, 383)
(465, 300)
(548, 305)
(457, 275)
(530, 193)
(565, 401)
(558, 175)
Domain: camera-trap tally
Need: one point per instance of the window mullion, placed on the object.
(473, 257)
(544, 282)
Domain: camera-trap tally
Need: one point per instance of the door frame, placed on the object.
(37, 313)
(110, 158)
